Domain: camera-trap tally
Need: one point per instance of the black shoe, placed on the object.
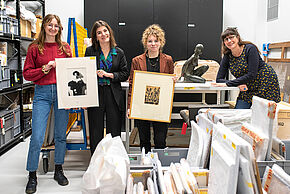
(32, 183)
(59, 176)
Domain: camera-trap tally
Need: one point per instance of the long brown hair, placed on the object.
(233, 31)
(95, 42)
(42, 34)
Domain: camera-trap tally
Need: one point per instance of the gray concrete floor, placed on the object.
(13, 176)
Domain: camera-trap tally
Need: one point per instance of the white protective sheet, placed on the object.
(231, 118)
(176, 177)
(224, 161)
(207, 126)
(246, 180)
(245, 184)
(161, 182)
(196, 146)
(257, 139)
(282, 174)
(221, 165)
(150, 186)
(273, 184)
(263, 115)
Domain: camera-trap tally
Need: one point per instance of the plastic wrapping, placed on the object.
(170, 187)
(207, 126)
(150, 186)
(108, 169)
(245, 184)
(257, 139)
(273, 184)
(176, 178)
(129, 188)
(224, 161)
(196, 146)
(182, 176)
(263, 115)
(189, 176)
(231, 118)
(282, 174)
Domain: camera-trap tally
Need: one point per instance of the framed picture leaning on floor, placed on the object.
(76, 82)
(152, 96)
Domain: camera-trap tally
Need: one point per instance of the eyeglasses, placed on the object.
(229, 38)
(55, 26)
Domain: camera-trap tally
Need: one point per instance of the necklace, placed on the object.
(153, 61)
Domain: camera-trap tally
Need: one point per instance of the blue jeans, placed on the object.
(240, 104)
(44, 97)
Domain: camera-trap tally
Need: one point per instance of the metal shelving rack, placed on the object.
(19, 87)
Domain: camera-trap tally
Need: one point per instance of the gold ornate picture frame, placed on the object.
(152, 96)
(77, 82)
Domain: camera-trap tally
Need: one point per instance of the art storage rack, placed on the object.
(75, 38)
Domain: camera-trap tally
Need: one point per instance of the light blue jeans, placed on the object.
(44, 97)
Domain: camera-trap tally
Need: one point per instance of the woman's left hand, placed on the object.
(102, 73)
(219, 84)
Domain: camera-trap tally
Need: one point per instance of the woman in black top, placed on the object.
(111, 70)
(253, 76)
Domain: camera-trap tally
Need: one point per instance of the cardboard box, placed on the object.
(209, 75)
(25, 28)
(283, 132)
(38, 27)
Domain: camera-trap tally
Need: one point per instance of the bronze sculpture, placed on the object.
(189, 71)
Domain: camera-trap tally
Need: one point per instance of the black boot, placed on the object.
(59, 176)
(32, 183)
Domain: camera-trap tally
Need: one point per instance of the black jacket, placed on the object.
(119, 69)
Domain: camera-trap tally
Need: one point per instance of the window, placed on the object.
(272, 10)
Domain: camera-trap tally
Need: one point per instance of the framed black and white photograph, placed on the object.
(77, 82)
(152, 96)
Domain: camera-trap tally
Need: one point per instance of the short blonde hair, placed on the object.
(155, 30)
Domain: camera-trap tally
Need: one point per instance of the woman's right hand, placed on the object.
(243, 87)
(49, 65)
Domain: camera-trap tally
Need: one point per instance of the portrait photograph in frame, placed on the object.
(76, 82)
(152, 96)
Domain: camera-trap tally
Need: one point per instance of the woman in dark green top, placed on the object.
(112, 69)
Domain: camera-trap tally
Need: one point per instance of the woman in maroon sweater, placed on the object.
(39, 67)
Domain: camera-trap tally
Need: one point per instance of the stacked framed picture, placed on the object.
(152, 96)
(76, 82)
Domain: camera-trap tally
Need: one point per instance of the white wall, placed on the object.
(250, 16)
(66, 9)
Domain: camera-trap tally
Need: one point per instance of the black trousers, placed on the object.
(109, 108)
(160, 132)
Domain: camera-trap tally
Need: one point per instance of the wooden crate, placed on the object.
(209, 75)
